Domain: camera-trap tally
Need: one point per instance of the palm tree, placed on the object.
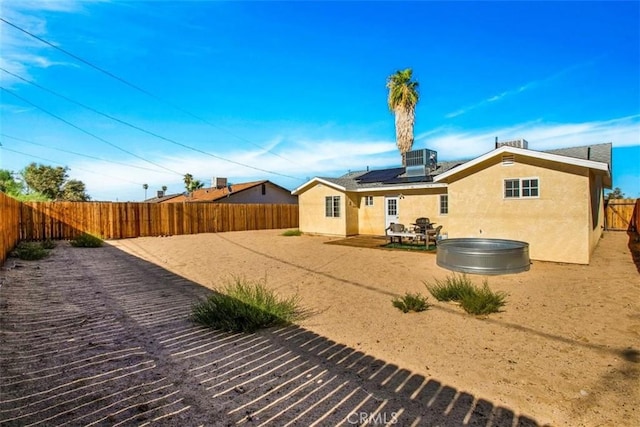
(164, 188)
(403, 97)
(146, 187)
(188, 178)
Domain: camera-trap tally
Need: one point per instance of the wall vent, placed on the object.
(508, 159)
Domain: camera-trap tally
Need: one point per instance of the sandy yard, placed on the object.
(102, 336)
(565, 350)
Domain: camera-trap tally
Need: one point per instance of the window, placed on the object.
(529, 188)
(264, 189)
(332, 206)
(521, 188)
(368, 200)
(444, 204)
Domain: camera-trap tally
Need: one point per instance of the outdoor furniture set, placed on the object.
(421, 231)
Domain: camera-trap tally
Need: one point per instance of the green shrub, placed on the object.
(483, 301)
(243, 306)
(411, 302)
(48, 244)
(30, 251)
(295, 232)
(473, 300)
(453, 288)
(86, 240)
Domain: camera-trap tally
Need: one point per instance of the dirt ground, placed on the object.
(565, 351)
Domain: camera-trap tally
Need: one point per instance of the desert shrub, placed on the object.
(295, 232)
(483, 301)
(242, 306)
(30, 251)
(411, 302)
(474, 300)
(86, 240)
(453, 288)
(48, 244)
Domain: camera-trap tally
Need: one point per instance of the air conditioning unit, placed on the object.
(217, 182)
(420, 162)
(518, 143)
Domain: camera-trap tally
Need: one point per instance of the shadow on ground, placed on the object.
(97, 336)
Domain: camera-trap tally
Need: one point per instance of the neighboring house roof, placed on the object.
(552, 155)
(214, 194)
(592, 156)
(597, 152)
(162, 199)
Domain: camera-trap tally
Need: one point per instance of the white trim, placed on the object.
(527, 153)
(369, 189)
(520, 190)
(321, 181)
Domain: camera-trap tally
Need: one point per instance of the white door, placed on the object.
(392, 214)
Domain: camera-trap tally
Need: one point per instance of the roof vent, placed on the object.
(421, 162)
(518, 143)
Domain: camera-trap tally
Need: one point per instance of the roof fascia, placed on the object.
(298, 190)
(527, 153)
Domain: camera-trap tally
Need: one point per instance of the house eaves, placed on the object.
(604, 167)
(352, 186)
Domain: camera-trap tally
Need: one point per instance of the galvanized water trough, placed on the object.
(483, 256)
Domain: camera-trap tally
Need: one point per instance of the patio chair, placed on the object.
(433, 234)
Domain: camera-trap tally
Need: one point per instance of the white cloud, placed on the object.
(20, 51)
(454, 144)
(332, 157)
(512, 92)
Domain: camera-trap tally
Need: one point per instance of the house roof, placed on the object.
(163, 198)
(212, 194)
(578, 156)
(592, 156)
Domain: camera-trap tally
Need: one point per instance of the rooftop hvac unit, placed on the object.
(218, 182)
(518, 143)
(420, 162)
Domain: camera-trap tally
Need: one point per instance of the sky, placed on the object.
(126, 93)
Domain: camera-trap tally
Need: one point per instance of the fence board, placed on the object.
(9, 225)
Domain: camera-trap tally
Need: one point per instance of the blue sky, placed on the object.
(287, 91)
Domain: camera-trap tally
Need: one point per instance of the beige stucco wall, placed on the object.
(412, 204)
(596, 214)
(557, 224)
(312, 212)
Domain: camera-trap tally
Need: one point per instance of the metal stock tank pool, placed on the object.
(483, 256)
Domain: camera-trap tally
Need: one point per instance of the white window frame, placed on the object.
(444, 204)
(368, 200)
(332, 206)
(521, 189)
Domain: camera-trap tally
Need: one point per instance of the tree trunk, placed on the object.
(405, 119)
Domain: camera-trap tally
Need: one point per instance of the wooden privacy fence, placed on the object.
(66, 220)
(622, 214)
(9, 225)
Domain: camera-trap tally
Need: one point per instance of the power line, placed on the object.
(58, 163)
(78, 154)
(139, 89)
(86, 131)
(172, 141)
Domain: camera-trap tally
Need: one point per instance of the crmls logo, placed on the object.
(365, 418)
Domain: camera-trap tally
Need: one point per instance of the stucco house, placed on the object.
(264, 192)
(553, 199)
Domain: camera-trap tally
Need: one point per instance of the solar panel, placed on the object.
(380, 175)
(410, 179)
